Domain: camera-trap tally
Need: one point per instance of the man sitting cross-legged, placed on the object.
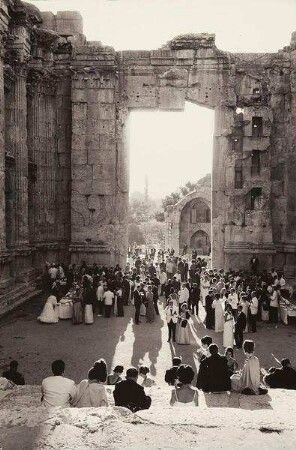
(130, 394)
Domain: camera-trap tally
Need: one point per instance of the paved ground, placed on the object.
(117, 340)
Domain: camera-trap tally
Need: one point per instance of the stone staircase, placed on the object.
(17, 294)
(221, 421)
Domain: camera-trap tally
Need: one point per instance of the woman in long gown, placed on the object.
(50, 311)
(218, 306)
(228, 335)
(245, 304)
(77, 316)
(89, 298)
(184, 334)
(150, 310)
(205, 286)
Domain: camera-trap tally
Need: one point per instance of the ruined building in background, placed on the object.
(65, 104)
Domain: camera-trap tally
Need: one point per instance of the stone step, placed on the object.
(21, 293)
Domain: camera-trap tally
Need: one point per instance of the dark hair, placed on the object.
(118, 369)
(213, 349)
(207, 340)
(248, 346)
(144, 370)
(101, 370)
(285, 362)
(132, 372)
(229, 350)
(185, 374)
(58, 367)
(13, 364)
(92, 374)
(177, 360)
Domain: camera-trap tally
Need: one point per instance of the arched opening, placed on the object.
(200, 242)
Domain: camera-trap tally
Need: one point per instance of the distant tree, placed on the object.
(159, 216)
(171, 199)
(135, 235)
(174, 197)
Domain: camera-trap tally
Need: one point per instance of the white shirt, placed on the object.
(162, 277)
(57, 391)
(274, 302)
(183, 295)
(108, 297)
(53, 271)
(233, 300)
(254, 305)
(282, 281)
(100, 293)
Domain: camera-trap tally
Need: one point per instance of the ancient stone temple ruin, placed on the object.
(188, 223)
(65, 104)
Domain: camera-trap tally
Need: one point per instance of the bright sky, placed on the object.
(173, 148)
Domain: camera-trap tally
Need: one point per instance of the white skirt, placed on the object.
(88, 314)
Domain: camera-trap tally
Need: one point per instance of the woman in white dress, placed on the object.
(184, 334)
(245, 304)
(205, 286)
(184, 394)
(228, 336)
(50, 311)
(218, 306)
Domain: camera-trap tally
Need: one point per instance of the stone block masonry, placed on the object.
(65, 104)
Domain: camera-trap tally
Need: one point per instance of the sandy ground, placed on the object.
(117, 340)
(222, 421)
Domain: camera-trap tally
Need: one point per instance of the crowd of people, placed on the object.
(217, 373)
(233, 302)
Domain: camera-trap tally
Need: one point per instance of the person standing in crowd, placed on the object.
(194, 297)
(108, 298)
(171, 313)
(183, 296)
(89, 299)
(254, 264)
(253, 311)
(273, 306)
(228, 336)
(119, 302)
(218, 306)
(210, 314)
(137, 302)
(239, 327)
(57, 390)
(13, 375)
(163, 280)
(100, 299)
(130, 394)
(150, 310)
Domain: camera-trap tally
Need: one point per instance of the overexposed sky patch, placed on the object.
(171, 148)
(239, 25)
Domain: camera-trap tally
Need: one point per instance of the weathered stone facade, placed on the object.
(63, 148)
(189, 223)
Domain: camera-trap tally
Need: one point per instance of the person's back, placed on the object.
(13, 375)
(130, 394)
(90, 394)
(284, 378)
(57, 390)
(218, 375)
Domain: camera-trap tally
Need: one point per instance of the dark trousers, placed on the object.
(239, 336)
(137, 313)
(253, 320)
(156, 307)
(172, 330)
(273, 314)
(100, 307)
(120, 311)
(108, 309)
(194, 304)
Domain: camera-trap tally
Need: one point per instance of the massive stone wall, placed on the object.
(64, 146)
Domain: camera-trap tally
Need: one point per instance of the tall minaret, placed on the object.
(146, 188)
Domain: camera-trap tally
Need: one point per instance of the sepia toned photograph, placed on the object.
(147, 224)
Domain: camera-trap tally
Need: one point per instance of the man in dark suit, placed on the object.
(240, 325)
(254, 263)
(194, 297)
(137, 302)
(213, 375)
(171, 374)
(130, 394)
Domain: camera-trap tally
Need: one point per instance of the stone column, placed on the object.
(2, 155)
(17, 136)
